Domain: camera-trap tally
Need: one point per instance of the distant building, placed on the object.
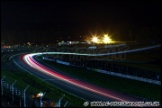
(68, 43)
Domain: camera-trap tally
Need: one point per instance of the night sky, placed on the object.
(51, 21)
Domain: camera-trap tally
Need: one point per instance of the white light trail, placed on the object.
(28, 58)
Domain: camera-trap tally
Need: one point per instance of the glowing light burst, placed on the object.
(95, 39)
(106, 39)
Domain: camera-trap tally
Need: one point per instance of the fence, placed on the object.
(14, 97)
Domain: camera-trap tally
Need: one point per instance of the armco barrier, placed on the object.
(112, 73)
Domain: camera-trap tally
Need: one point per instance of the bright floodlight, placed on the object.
(95, 39)
(106, 39)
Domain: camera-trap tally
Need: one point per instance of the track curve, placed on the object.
(70, 84)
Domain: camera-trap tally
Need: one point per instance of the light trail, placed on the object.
(34, 64)
(110, 53)
(29, 59)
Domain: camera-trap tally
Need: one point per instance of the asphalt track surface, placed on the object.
(69, 83)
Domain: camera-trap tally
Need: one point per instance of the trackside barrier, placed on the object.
(127, 76)
(111, 73)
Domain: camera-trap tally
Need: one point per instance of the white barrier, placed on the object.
(127, 76)
(57, 61)
(112, 73)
